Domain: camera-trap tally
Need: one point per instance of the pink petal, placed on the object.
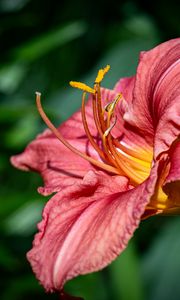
(172, 183)
(86, 226)
(174, 172)
(155, 108)
(57, 165)
(126, 87)
(129, 135)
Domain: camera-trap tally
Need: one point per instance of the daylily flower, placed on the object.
(110, 165)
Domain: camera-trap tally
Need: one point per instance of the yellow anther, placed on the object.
(82, 86)
(101, 74)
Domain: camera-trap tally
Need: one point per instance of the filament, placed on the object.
(65, 143)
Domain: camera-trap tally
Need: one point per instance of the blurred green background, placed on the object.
(43, 46)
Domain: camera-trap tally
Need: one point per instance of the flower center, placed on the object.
(133, 163)
(115, 156)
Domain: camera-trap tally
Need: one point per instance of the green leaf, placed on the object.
(19, 286)
(161, 264)
(13, 111)
(7, 260)
(11, 75)
(89, 287)
(50, 40)
(23, 131)
(23, 221)
(127, 283)
(9, 5)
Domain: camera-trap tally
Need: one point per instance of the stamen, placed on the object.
(93, 143)
(106, 146)
(133, 152)
(96, 117)
(82, 86)
(108, 130)
(128, 171)
(120, 159)
(111, 107)
(99, 107)
(95, 162)
(101, 74)
(137, 164)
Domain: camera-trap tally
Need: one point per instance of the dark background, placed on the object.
(44, 45)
